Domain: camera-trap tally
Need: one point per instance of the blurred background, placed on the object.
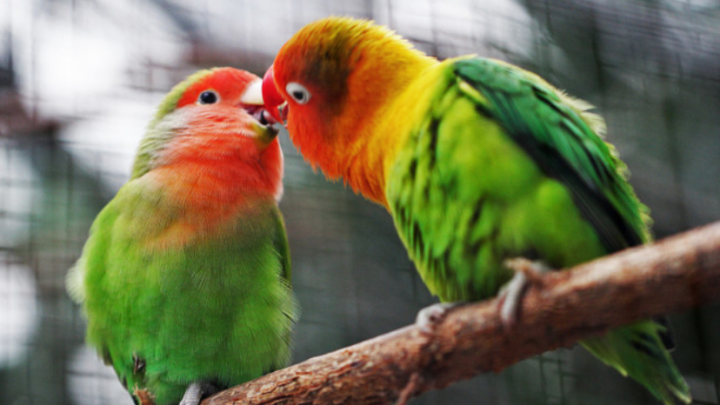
(80, 79)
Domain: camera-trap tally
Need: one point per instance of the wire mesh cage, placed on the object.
(80, 80)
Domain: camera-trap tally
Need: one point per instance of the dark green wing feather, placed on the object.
(282, 245)
(564, 141)
(556, 132)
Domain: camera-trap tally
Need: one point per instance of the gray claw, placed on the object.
(430, 316)
(512, 293)
(195, 391)
(526, 273)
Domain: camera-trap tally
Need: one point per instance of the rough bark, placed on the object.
(560, 308)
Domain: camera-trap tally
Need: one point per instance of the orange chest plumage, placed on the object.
(210, 179)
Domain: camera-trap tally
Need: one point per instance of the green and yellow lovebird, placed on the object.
(477, 161)
(185, 278)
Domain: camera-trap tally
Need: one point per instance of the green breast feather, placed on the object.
(219, 309)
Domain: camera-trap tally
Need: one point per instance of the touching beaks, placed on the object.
(252, 101)
(275, 105)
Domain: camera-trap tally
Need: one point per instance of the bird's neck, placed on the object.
(204, 194)
(213, 187)
(379, 136)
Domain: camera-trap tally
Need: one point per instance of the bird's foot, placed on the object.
(196, 391)
(429, 317)
(526, 273)
(143, 397)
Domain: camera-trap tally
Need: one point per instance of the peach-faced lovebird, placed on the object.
(478, 162)
(185, 278)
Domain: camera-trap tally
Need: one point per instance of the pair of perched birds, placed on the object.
(185, 277)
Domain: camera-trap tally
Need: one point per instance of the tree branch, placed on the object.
(672, 275)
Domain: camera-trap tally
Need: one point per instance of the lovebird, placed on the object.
(478, 161)
(185, 277)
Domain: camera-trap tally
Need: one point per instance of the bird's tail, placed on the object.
(637, 351)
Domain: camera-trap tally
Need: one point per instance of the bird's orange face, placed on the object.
(331, 84)
(217, 125)
(301, 105)
(314, 88)
(229, 99)
(210, 155)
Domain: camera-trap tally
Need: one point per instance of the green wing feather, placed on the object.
(557, 133)
(500, 164)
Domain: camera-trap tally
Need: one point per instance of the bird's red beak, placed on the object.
(275, 104)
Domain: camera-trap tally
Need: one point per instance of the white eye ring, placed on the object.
(298, 92)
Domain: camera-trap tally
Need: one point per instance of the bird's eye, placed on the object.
(208, 97)
(298, 92)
